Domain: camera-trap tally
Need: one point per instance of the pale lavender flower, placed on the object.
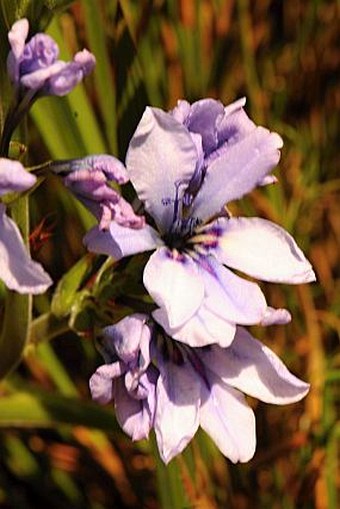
(158, 383)
(17, 270)
(89, 179)
(128, 378)
(34, 65)
(186, 166)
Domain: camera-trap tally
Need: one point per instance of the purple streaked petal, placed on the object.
(226, 417)
(204, 328)
(254, 369)
(178, 400)
(202, 119)
(134, 416)
(174, 283)
(101, 382)
(263, 250)
(237, 171)
(13, 177)
(123, 214)
(234, 125)
(231, 297)
(40, 52)
(120, 241)
(161, 156)
(17, 270)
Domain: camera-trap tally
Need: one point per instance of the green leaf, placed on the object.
(18, 308)
(40, 409)
(65, 293)
(103, 76)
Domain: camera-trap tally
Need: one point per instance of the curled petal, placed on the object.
(226, 417)
(263, 250)
(17, 270)
(13, 177)
(101, 382)
(202, 119)
(175, 284)
(254, 369)
(128, 338)
(273, 316)
(135, 416)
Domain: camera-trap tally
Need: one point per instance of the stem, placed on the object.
(14, 116)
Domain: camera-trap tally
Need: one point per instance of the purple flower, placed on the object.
(17, 270)
(158, 383)
(88, 178)
(186, 166)
(130, 379)
(34, 65)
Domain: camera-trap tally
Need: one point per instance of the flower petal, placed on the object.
(273, 316)
(17, 270)
(161, 156)
(204, 328)
(232, 297)
(175, 284)
(253, 368)
(237, 171)
(135, 416)
(226, 417)
(128, 338)
(263, 250)
(178, 400)
(13, 177)
(120, 241)
(101, 382)
(202, 119)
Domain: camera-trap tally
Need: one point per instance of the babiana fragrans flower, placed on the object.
(186, 166)
(89, 179)
(17, 270)
(157, 383)
(35, 71)
(34, 65)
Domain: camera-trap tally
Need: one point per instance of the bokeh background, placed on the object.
(57, 449)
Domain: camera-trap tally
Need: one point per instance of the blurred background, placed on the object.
(57, 449)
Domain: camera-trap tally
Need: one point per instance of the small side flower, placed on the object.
(34, 65)
(17, 270)
(89, 180)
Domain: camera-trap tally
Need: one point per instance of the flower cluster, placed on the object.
(188, 363)
(35, 71)
(161, 384)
